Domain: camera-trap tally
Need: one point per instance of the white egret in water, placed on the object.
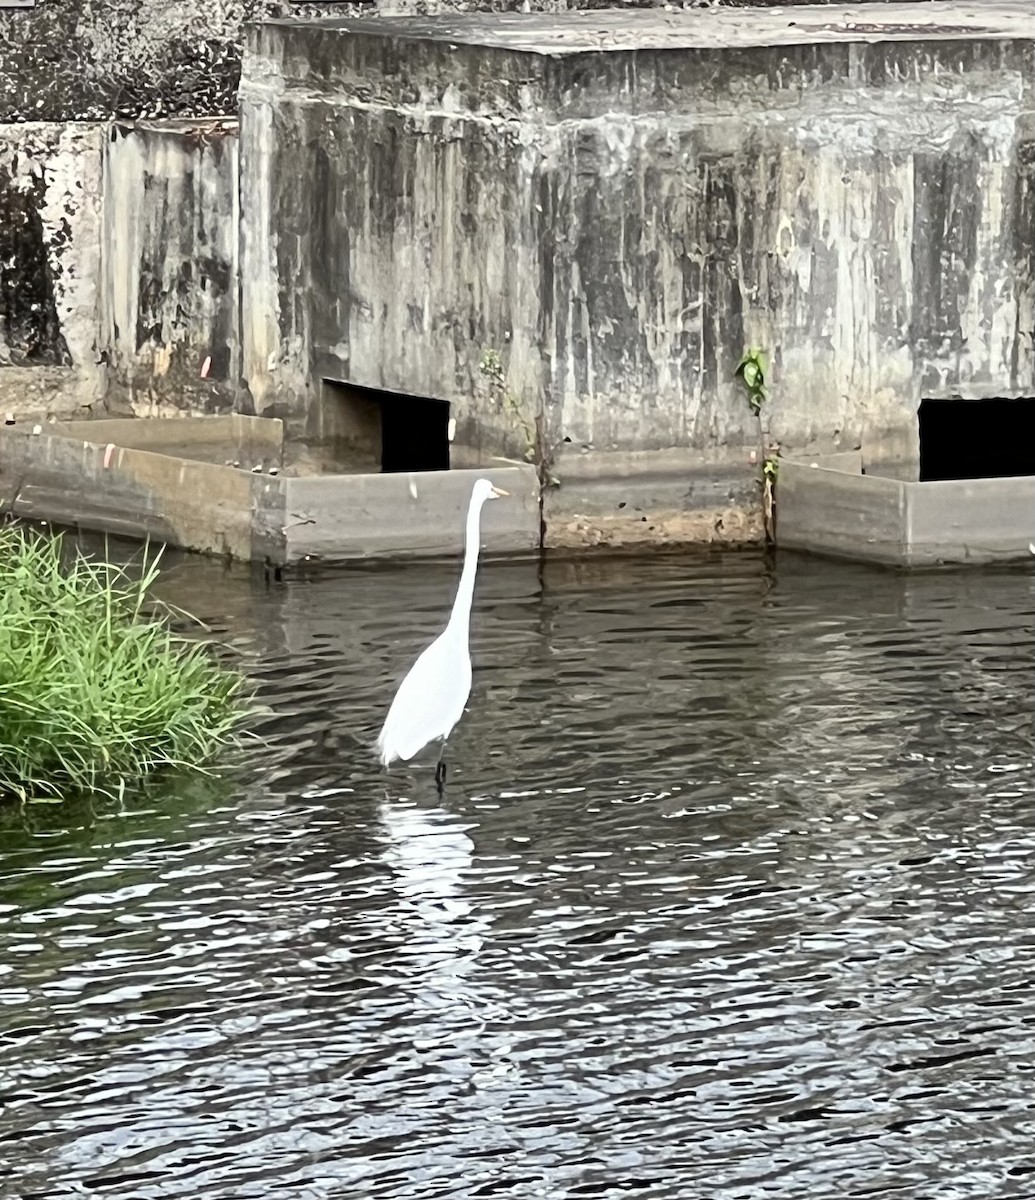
(431, 698)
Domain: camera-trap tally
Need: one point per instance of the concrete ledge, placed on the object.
(845, 460)
(133, 493)
(235, 436)
(970, 520)
(423, 513)
(651, 497)
(906, 524)
(172, 494)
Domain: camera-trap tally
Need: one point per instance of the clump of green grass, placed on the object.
(97, 694)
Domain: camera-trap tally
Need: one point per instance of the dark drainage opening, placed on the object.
(373, 430)
(976, 439)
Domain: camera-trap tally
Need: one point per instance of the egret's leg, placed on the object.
(440, 768)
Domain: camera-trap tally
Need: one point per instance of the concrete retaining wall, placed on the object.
(906, 524)
(157, 479)
(170, 311)
(612, 209)
(652, 498)
(50, 268)
(135, 493)
(569, 231)
(970, 520)
(376, 516)
(841, 514)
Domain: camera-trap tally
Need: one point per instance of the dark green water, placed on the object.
(730, 895)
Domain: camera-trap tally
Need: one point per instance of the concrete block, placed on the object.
(905, 524)
(651, 498)
(134, 493)
(340, 517)
(969, 520)
(616, 204)
(844, 515)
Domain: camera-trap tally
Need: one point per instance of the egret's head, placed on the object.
(486, 490)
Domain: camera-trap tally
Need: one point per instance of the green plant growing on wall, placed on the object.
(537, 451)
(752, 371)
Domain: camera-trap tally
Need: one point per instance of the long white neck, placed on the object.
(460, 617)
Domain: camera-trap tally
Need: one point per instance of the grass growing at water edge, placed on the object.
(96, 694)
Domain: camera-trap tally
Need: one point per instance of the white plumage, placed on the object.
(431, 699)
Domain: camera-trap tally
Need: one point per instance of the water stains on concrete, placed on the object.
(29, 325)
(171, 246)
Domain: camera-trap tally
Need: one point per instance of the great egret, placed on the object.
(431, 698)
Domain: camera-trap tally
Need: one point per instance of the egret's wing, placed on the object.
(430, 700)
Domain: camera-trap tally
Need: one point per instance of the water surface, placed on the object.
(729, 895)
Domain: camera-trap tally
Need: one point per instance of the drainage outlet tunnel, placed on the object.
(977, 439)
(389, 432)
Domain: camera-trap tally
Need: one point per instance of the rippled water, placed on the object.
(730, 894)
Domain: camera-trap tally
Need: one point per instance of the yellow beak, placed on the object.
(499, 491)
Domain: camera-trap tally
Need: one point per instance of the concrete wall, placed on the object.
(50, 265)
(904, 524)
(611, 228)
(138, 493)
(970, 520)
(863, 211)
(91, 474)
(118, 268)
(420, 513)
(76, 60)
(66, 67)
(842, 514)
(375, 244)
(169, 312)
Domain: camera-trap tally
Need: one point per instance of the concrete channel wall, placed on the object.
(903, 523)
(68, 69)
(610, 209)
(167, 480)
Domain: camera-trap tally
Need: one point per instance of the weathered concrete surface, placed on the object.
(970, 520)
(93, 59)
(169, 306)
(611, 206)
(617, 204)
(841, 513)
(372, 516)
(50, 245)
(651, 498)
(156, 479)
(135, 493)
(908, 524)
(248, 440)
